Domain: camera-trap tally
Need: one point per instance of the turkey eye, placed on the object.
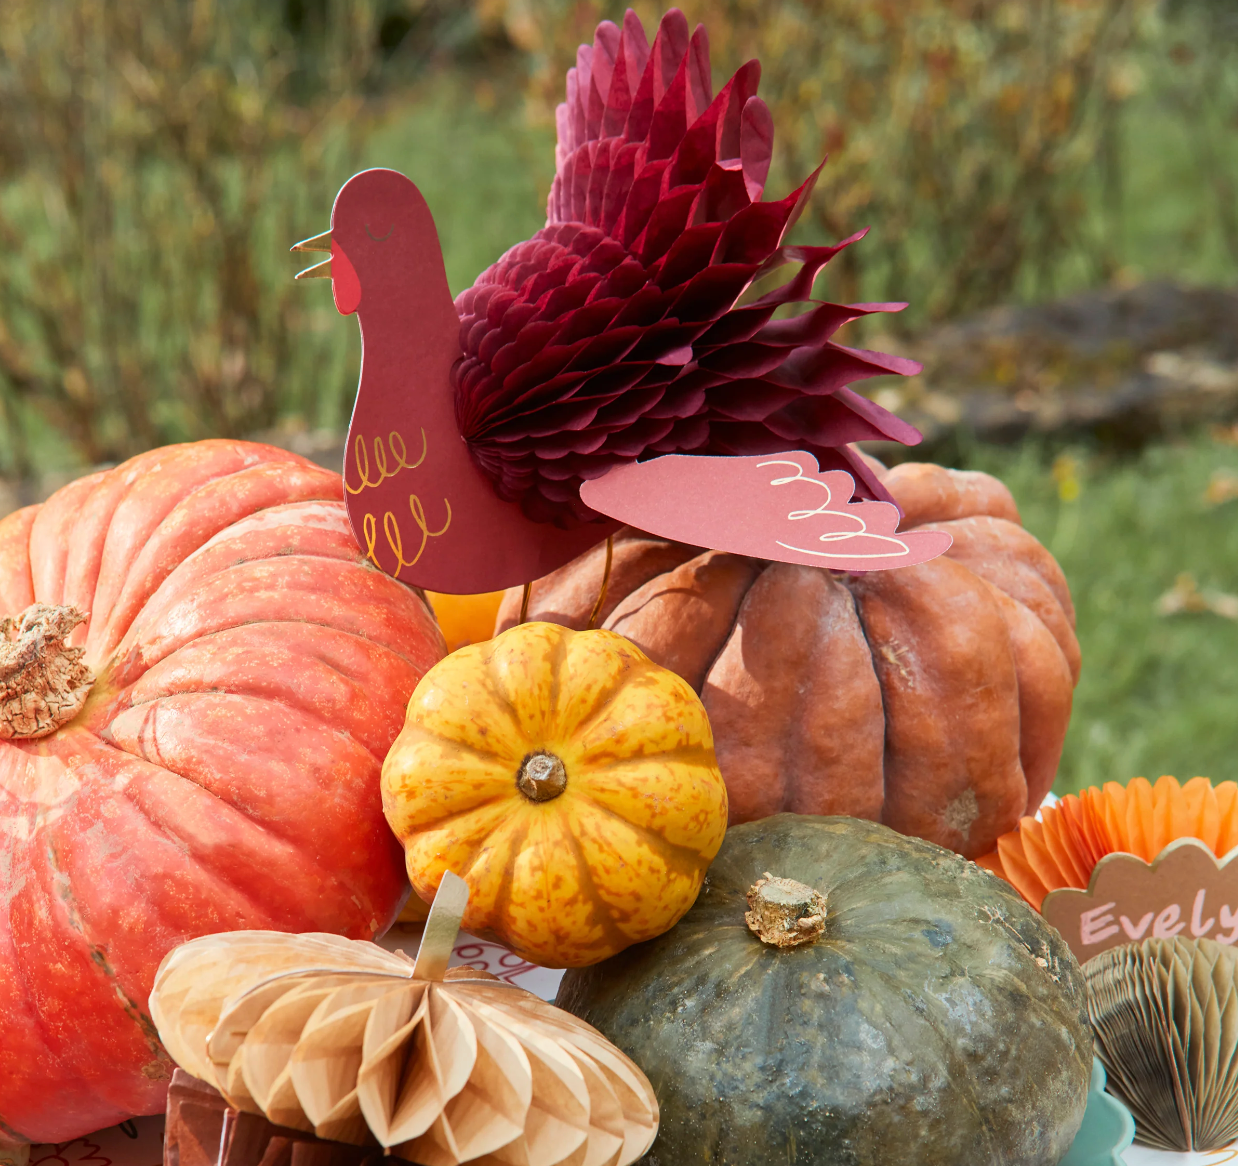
(379, 238)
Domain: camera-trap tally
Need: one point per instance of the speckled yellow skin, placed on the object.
(619, 856)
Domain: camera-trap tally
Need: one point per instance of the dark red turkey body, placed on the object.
(620, 331)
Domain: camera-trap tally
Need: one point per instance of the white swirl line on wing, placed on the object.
(903, 549)
(831, 535)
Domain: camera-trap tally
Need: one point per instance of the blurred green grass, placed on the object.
(1157, 694)
(484, 169)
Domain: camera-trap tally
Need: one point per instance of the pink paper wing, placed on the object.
(776, 506)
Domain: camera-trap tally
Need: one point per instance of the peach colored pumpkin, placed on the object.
(249, 672)
(934, 698)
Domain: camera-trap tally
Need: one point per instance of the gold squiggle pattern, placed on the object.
(395, 536)
(386, 464)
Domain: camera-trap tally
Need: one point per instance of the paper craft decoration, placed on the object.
(1139, 818)
(768, 506)
(356, 1044)
(1186, 890)
(136, 1142)
(204, 1130)
(481, 955)
(617, 334)
(1165, 1016)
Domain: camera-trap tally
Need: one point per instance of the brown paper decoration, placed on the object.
(345, 1040)
(1186, 890)
(203, 1130)
(1165, 1015)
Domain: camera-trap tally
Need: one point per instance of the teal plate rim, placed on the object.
(1107, 1128)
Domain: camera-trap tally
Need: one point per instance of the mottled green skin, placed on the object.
(939, 1021)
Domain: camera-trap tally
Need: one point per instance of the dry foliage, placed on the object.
(963, 130)
(152, 173)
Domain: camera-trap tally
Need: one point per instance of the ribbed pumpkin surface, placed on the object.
(933, 698)
(936, 1021)
(613, 848)
(252, 670)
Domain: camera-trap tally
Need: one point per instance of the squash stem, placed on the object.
(541, 776)
(783, 912)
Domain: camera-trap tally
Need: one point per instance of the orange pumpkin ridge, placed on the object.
(251, 669)
(938, 707)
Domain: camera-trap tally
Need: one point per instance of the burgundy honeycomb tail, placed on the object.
(616, 332)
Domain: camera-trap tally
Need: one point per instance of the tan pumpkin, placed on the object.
(934, 698)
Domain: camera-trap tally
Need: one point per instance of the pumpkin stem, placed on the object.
(541, 777)
(43, 682)
(784, 913)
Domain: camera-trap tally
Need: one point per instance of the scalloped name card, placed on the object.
(1186, 890)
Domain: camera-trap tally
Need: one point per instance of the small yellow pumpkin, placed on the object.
(569, 780)
(465, 619)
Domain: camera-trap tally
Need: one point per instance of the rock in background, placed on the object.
(1120, 366)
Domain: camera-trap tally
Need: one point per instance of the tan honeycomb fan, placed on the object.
(1165, 1015)
(359, 1045)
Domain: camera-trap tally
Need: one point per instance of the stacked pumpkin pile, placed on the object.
(205, 676)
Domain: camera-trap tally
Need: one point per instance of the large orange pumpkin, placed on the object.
(934, 698)
(250, 670)
(569, 781)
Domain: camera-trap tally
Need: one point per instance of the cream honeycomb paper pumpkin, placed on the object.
(359, 1045)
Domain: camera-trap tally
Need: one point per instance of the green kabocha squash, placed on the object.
(841, 995)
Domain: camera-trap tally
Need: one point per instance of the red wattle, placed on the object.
(345, 285)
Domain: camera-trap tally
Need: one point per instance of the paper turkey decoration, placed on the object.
(359, 1045)
(622, 366)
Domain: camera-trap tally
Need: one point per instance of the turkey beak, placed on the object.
(317, 243)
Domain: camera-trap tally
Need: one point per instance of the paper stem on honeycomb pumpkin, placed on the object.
(43, 682)
(541, 777)
(783, 912)
(442, 927)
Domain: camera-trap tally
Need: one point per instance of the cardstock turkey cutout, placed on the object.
(768, 506)
(626, 329)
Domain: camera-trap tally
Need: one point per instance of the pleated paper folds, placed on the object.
(1139, 818)
(1165, 1015)
(340, 1038)
(641, 319)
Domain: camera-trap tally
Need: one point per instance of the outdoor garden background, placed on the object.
(1052, 184)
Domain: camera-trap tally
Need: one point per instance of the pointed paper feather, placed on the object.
(616, 333)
